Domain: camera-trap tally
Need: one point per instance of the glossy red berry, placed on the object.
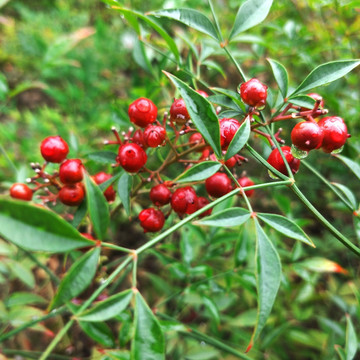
(160, 195)
(131, 157)
(109, 193)
(142, 112)
(253, 93)
(275, 159)
(244, 182)
(54, 149)
(154, 135)
(203, 201)
(151, 220)
(228, 128)
(316, 96)
(307, 135)
(335, 133)
(184, 200)
(178, 112)
(218, 185)
(21, 191)
(71, 171)
(72, 195)
(138, 138)
(203, 93)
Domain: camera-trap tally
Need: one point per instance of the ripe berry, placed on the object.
(131, 157)
(277, 162)
(335, 133)
(316, 96)
(71, 171)
(142, 112)
(307, 135)
(218, 185)
(151, 220)
(160, 195)
(253, 93)
(101, 177)
(244, 182)
(203, 93)
(228, 128)
(178, 112)
(230, 163)
(72, 195)
(184, 200)
(138, 138)
(203, 201)
(154, 135)
(88, 236)
(54, 149)
(21, 191)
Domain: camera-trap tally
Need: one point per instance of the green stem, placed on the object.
(235, 63)
(8, 159)
(218, 29)
(116, 247)
(32, 354)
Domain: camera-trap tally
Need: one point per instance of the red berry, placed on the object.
(109, 193)
(154, 135)
(277, 162)
(151, 220)
(253, 93)
(335, 133)
(307, 135)
(184, 200)
(54, 149)
(218, 185)
(142, 112)
(244, 182)
(228, 128)
(21, 191)
(203, 201)
(178, 112)
(131, 157)
(230, 163)
(203, 93)
(315, 96)
(160, 195)
(196, 138)
(72, 195)
(71, 171)
(138, 138)
(88, 236)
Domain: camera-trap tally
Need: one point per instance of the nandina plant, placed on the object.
(186, 164)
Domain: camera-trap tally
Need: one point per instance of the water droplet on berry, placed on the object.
(338, 151)
(297, 153)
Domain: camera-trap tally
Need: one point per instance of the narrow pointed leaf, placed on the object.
(199, 172)
(78, 277)
(148, 342)
(251, 13)
(108, 308)
(225, 101)
(281, 76)
(322, 265)
(326, 73)
(98, 208)
(285, 226)
(104, 157)
(303, 101)
(99, 332)
(37, 229)
(351, 344)
(124, 188)
(352, 165)
(348, 194)
(227, 218)
(240, 139)
(192, 18)
(202, 113)
(103, 186)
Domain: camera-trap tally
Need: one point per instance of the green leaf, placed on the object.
(103, 157)
(225, 101)
(148, 342)
(212, 308)
(192, 18)
(285, 226)
(202, 113)
(199, 172)
(240, 139)
(268, 276)
(24, 298)
(37, 229)
(124, 188)
(78, 277)
(281, 76)
(215, 66)
(348, 194)
(251, 13)
(326, 73)
(109, 308)
(103, 186)
(98, 208)
(352, 165)
(99, 332)
(24, 274)
(351, 344)
(226, 218)
(322, 265)
(302, 100)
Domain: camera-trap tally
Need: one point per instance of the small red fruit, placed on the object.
(109, 193)
(21, 191)
(203, 201)
(151, 220)
(228, 128)
(131, 157)
(142, 112)
(253, 93)
(218, 185)
(72, 195)
(71, 171)
(154, 135)
(54, 149)
(203, 93)
(307, 135)
(184, 200)
(138, 138)
(178, 112)
(335, 133)
(160, 195)
(316, 96)
(275, 159)
(244, 182)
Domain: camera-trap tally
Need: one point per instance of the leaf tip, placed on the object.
(249, 347)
